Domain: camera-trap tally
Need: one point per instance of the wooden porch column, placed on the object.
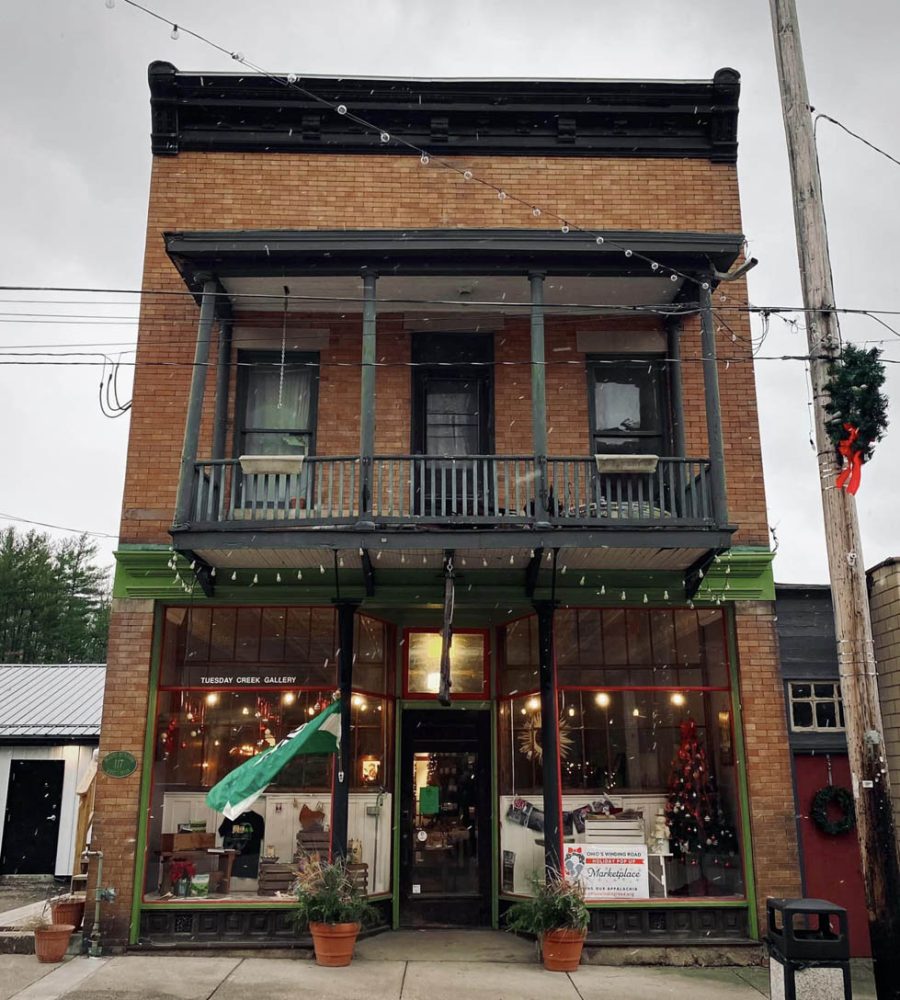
(553, 833)
(713, 409)
(367, 403)
(195, 405)
(223, 375)
(539, 393)
(673, 336)
(340, 809)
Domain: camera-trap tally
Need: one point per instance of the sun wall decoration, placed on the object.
(530, 738)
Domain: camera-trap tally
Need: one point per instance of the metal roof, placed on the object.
(50, 699)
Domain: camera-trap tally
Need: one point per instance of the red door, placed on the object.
(831, 864)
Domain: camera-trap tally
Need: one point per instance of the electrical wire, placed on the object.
(855, 135)
(57, 527)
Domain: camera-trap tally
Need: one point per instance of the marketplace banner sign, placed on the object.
(614, 871)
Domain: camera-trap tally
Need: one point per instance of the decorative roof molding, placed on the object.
(231, 112)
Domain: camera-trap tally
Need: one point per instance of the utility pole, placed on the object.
(856, 655)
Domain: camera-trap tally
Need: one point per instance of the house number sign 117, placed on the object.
(119, 764)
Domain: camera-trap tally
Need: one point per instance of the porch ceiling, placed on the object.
(460, 294)
(319, 561)
(281, 256)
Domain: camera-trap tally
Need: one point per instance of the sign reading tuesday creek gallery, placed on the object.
(239, 677)
(609, 872)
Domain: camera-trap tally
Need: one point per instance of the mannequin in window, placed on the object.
(244, 835)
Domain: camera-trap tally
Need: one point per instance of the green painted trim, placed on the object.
(495, 822)
(741, 574)
(395, 867)
(743, 788)
(144, 572)
(140, 854)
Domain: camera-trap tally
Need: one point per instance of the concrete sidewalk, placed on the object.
(169, 977)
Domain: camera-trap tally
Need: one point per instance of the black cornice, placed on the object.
(609, 118)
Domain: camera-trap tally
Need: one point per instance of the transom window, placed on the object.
(816, 707)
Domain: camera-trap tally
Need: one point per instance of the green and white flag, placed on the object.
(237, 791)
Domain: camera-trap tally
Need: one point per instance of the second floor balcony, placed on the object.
(533, 382)
(604, 492)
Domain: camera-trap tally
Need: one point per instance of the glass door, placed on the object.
(445, 815)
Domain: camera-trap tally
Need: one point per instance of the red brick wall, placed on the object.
(116, 817)
(254, 190)
(767, 755)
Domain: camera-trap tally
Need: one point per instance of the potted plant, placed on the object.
(333, 906)
(557, 916)
(68, 908)
(51, 940)
(182, 874)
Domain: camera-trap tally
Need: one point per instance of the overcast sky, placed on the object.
(75, 122)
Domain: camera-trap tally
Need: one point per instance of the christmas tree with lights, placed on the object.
(694, 815)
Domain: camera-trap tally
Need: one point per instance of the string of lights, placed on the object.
(426, 157)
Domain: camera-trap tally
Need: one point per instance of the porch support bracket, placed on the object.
(368, 572)
(532, 570)
(204, 574)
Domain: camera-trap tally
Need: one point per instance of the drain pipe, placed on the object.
(94, 949)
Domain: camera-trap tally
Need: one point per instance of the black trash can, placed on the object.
(809, 950)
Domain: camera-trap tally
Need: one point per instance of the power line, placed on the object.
(57, 527)
(855, 135)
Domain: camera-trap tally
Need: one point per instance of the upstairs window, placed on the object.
(628, 406)
(816, 707)
(277, 404)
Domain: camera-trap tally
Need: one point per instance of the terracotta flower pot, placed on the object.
(52, 942)
(562, 949)
(68, 911)
(334, 943)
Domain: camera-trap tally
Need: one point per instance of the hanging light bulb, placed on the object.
(176, 34)
(602, 699)
(534, 704)
(678, 699)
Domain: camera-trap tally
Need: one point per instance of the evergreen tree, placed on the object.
(54, 600)
(694, 814)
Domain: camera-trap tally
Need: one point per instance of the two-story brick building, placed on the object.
(471, 370)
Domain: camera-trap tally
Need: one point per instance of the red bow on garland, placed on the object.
(850, 475)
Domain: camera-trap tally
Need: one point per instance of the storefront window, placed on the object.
(234, 682)
(647, 759)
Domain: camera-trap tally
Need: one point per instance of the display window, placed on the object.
(232, 683)
(648, 770)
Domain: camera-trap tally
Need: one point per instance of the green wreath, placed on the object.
(843, 799)
(855, 398)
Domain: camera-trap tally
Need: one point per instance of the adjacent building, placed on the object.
(49, 733)
(427, 361)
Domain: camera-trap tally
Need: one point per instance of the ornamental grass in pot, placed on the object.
(51, 940)
(558, 918)
(334, 907)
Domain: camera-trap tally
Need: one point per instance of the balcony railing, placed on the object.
(486, 490)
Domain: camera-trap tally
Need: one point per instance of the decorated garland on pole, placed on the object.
(843, 800)
(857, 410)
